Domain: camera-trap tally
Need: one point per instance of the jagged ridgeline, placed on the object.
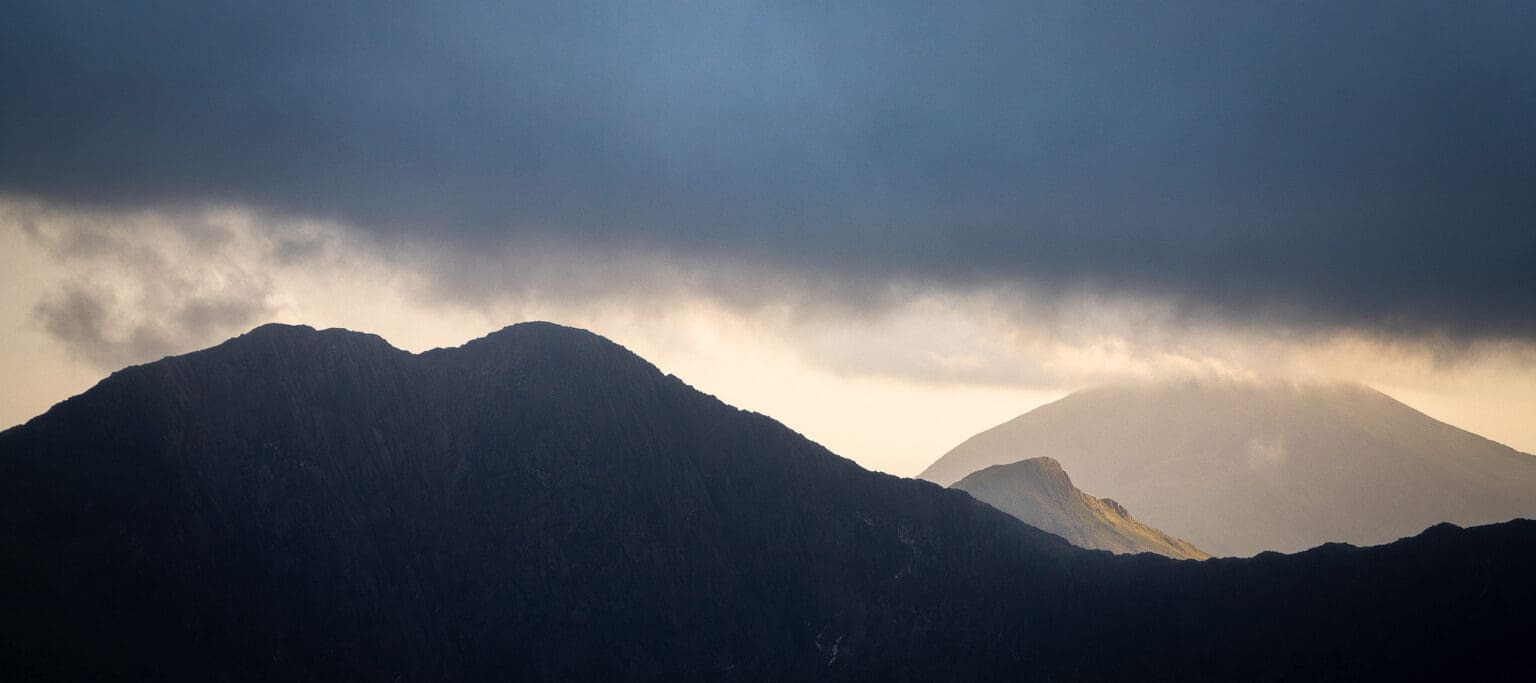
(541, 504)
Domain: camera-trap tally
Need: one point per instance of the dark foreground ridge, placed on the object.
(542, 504)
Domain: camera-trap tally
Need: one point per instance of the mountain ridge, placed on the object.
(1240, 467)
(312, 505)
(1039, 492)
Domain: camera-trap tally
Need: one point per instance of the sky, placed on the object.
(889, 225)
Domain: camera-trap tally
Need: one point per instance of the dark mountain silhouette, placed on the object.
(542, 504)
(1039, 493)
(1241, 467)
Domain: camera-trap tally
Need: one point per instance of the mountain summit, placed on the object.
(1039, 493)
(542, 504)
(1242, 467)
(538, 503)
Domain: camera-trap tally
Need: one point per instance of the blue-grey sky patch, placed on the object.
(1361, 165)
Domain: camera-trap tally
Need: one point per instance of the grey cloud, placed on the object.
(97, 326)
(1360, 165)
(76, 317)
(82, 319)
(142, 293)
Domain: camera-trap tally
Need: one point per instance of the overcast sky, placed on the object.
(890, 224)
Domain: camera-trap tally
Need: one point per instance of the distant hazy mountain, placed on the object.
(541, 504)
(1039, 492)
(1237, 468)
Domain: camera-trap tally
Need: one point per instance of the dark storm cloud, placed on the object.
(1354, 164)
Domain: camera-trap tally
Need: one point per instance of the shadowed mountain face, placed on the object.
(542, 504)
(1238, 468)
(1039, 493)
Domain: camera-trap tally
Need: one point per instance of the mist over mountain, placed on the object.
(541, 504)
(1039, 493)
(1242, 467)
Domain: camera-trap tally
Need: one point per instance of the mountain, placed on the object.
(1039, 493)
(541, 504)
(1242, 467)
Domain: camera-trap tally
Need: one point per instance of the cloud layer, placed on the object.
(890, 375)
(1362, 166)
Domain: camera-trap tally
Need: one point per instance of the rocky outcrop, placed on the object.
(1039, 493)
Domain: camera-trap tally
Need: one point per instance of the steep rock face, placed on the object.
(541, 504)
(1242, 467)
(1039, 493)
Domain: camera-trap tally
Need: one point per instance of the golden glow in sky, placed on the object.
(893, 379)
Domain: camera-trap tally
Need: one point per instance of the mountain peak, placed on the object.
(1241, 466)
(1197, 385)
(543, 334)
(532, 329)
(1042, 472)
(537, 337)
(276, 328)
(1039, 492)
(536, 502)
(1116, 507)
(546, 347)
(1044, 462)
(284, 334)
